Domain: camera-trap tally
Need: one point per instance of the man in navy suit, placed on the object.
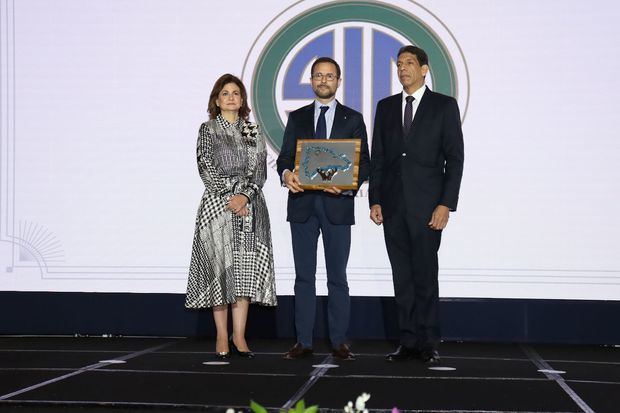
(329, 212)
(416, 170)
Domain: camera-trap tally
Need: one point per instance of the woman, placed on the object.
(232, 256)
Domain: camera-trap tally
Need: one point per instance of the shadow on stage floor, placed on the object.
(94, 374)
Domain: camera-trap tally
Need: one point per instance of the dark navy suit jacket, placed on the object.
(423, 169)
(348, 124)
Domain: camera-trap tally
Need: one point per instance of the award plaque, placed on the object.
(323, 163)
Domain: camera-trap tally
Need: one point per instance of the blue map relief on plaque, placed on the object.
(319, 160)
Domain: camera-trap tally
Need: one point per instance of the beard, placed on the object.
(325, 92)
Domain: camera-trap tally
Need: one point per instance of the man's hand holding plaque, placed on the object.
(333, 190)
(291, 180)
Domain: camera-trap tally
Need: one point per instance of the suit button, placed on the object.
(404, 154)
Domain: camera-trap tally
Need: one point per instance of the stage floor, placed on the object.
(95, 374)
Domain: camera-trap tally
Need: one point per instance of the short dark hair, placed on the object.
(214, 110)
(416, 51)
(325, 59)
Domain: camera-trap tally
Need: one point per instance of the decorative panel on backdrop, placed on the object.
(100, 104)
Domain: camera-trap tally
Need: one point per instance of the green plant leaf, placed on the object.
(257, 408)
(299, 407)
(312, 409)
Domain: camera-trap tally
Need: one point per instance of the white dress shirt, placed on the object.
(329, 115)
(414, 105)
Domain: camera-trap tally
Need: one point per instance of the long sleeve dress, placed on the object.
(232, 256)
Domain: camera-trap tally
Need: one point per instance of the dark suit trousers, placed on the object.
(412, 248)
(336, 243)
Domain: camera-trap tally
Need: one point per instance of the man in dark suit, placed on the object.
(416, 169)
(329, 212)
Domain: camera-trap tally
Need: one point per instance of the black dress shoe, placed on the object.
(298, 351)
(343, 352)
(403, 353)
(235, 350)
(222, 355)
(430, 356)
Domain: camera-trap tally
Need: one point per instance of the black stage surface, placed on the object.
(95, 374)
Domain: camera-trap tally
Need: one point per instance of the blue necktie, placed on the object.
(321, 125)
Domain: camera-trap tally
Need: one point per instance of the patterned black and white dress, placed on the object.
(232, 256)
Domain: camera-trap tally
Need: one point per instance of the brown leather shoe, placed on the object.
(343, 352)
(298, 351)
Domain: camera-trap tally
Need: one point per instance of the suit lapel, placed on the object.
(339, 122)
(396, 111)
(308, 122)
(423, 107)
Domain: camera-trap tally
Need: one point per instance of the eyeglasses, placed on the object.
(326, 76)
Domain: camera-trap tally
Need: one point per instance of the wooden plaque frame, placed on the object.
(344, 155)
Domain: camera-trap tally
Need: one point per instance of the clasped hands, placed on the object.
(292, 182)
(438, 221)
(238, 205)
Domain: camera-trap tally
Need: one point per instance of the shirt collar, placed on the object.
(226, 124)
(317, 105)
(417, 94)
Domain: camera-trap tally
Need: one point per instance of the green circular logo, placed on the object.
(364, 38)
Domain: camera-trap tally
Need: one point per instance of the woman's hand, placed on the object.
(244, 212)
(237, 204)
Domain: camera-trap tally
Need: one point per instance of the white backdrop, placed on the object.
(100, 104)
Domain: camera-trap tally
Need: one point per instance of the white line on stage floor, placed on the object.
(542, 364)
(84, 369)
(314, 377)
(220, 407)
(344, 376)
(271, 353)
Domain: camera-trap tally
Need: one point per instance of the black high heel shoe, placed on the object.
(245, 354)
(222, 355)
